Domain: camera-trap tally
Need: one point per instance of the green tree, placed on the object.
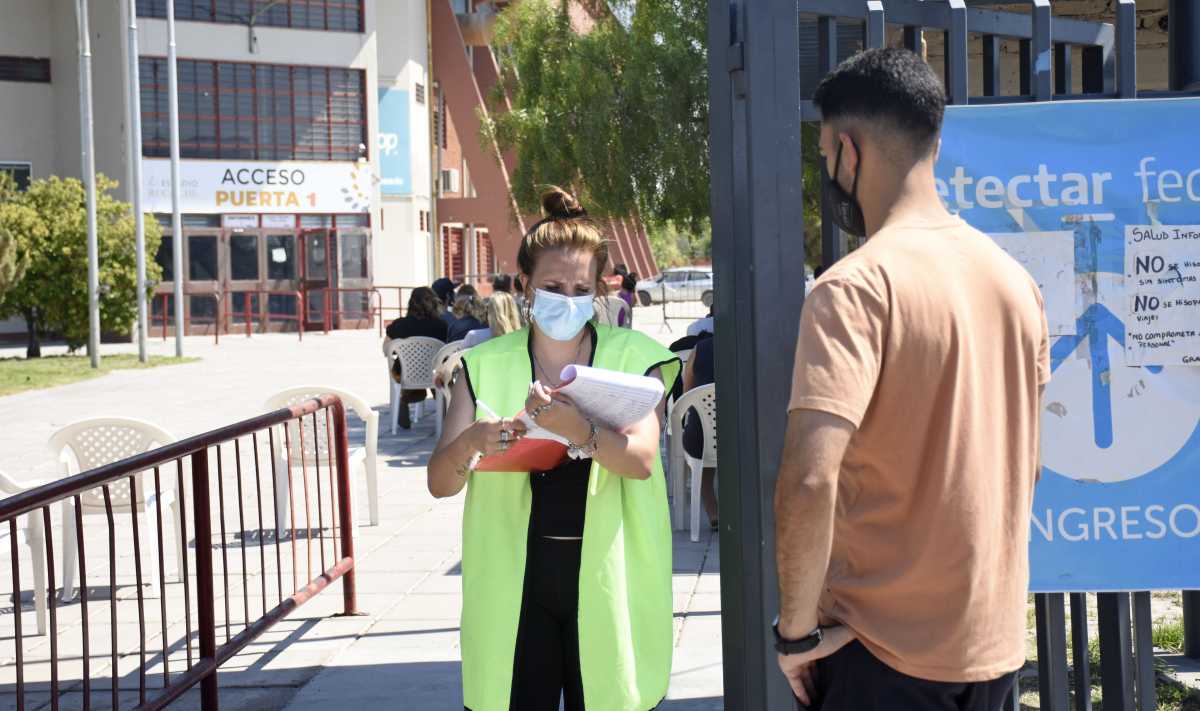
(19, 226)
(620, 114)
(52, 295)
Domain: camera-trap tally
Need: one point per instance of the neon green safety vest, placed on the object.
(625, 602)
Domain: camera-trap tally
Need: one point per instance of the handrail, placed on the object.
(288, 456)
(247, 313)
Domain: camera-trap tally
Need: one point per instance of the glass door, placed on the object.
(354, 279)
(242, 303)
(319, 261)
(202, 290)
(282, 256)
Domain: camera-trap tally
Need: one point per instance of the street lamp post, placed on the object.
(135, 174)
(176, 215)
(88, 156)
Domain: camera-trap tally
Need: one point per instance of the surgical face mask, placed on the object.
(561, 317)
(847, 213)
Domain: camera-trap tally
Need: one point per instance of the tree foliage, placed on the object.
(618, 113)
(19, 226)
(52, 295)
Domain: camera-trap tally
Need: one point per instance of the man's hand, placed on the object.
(801, 669)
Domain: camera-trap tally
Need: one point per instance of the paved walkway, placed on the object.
(403, 652)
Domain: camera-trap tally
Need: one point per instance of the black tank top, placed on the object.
(560, 499)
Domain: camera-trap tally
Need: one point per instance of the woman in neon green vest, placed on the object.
(566, 573)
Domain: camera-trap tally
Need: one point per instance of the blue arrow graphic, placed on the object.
(1097, 325)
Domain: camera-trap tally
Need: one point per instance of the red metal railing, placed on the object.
(167, 315)
(400, 307)
(207, 497)
(250, 314)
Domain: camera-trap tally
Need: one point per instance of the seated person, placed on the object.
(469, 313)
(697, 372)
(703, 325)
(423, 319)
(502, 317)
(444, 288)
(502, 282)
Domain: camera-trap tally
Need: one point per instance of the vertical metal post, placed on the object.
(1143, 628)
(1094, 74)
(345, 518)
(135, 176)
(991, 65)
(755, 99)
(912, 40)
(1127, 49)
(1062, 68)
(875, 26)
(1191, 624)
(1042, 51)
(1080, 657)
(1183, 45)
(956, 53)
(88, 157)
(1025, 66)
(206, 628)
(1052, 651)
(176, 214)
(833, 244)
(1116, 664)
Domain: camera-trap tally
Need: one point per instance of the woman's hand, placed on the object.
(557, 414)
(492, 436)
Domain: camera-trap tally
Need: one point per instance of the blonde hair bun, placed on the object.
(558, 204)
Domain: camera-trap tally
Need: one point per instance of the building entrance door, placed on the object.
(319, 260)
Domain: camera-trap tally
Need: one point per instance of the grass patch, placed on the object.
(20, 374)
(1169, 636)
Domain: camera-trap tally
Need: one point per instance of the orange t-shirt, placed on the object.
(932, 342)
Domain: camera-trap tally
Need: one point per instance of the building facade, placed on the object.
(314, 138)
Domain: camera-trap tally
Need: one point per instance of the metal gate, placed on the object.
(763, 55)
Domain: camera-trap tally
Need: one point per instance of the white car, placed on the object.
(678, 284)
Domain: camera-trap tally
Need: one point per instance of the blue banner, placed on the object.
(395, 143)
(1101, 202)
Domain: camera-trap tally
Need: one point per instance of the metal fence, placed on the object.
(759, 55)
(275, 553)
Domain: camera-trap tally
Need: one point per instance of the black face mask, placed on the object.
(847, 213)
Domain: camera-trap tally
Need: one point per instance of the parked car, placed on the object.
(678, 284)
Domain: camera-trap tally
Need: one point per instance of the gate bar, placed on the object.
(957, 81)
(1052, 651)
(1143, 631)
(1080, 652)
(1191, 624)
(1116, 662)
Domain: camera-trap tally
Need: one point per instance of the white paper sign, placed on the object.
(278, 255)
(219, 186)
(236, 222)
(1049, 257)
(1162, 282)
(279, 222)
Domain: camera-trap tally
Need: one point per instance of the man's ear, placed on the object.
(850, 153)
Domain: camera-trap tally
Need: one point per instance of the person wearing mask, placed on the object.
(559, 603)
(700, 371)
(444, 288)
(470, 313)
(904, 494)
(422, 319)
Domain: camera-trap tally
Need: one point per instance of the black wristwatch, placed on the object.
(795, 646)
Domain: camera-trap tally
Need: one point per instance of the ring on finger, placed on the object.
(505, 436)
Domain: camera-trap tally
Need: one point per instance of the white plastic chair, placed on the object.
(442, 392)
(32, 534)
(611, 308)
(704, 399)
(93, 443)
(316, 448)
(416, 370)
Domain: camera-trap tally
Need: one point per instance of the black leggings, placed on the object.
(546, 665)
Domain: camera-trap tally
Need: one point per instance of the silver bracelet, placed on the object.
(587, 449)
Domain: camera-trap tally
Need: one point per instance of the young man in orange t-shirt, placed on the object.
(904, 494)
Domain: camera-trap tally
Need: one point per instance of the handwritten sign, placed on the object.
(1162, 272)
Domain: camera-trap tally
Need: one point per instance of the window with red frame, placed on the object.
(255, 111)
(340, 15)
